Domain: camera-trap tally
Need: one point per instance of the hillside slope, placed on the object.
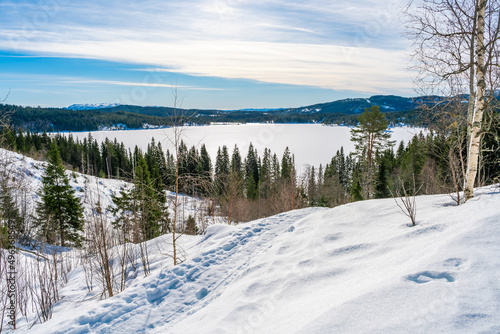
(28, 173)
(358, 268)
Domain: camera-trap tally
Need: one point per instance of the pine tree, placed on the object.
(205, 169)
(60, 213)
(286, 164)
(141, 211)
(356, 189)
(265, 175)
(221, 170)
(252, 173)
(385, 166)
(370, 136)
(236, 175)
(191, 227)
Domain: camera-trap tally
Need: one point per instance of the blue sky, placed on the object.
(223, 54)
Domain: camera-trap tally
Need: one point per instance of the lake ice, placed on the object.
(312, 144)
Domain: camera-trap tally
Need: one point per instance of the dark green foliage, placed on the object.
(191, 227)
(4, 236)
(236, 173)
(371, 133)
(252, 173)
(356, 190)
(266, 175)
(60, 213)
(204, 170)
(221, 170)
(287, 165)
(386, 164)
(141, 212)
(268, 180)
(312, 188)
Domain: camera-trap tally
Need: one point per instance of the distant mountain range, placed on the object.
(344, 106)
(92, 106)
(90, 117)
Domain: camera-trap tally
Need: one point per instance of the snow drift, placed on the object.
(358, 268)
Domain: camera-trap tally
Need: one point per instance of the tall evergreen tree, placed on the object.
(265, 175)
(141, 211)
(252, 173)
(60, 213)
(221, 170)
(205, 169)
(370, 136)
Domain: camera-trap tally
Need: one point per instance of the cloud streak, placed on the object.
(333, 45)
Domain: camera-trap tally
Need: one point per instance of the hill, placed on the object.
(357, 268)
(95, 117)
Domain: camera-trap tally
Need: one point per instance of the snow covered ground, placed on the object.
(357, 268)
(28, 174)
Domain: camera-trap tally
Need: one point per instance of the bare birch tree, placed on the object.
(455, 53)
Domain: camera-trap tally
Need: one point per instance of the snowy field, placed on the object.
(357, 268)
(312, 144)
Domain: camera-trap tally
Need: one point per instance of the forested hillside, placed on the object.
(398, 110)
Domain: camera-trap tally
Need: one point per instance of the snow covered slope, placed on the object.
(28, 173)
(358, 268)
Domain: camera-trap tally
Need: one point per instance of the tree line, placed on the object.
(134, 117)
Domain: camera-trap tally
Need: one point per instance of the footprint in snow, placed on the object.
(428, 276)
(454, 263)
(201, 294)
(229, 246)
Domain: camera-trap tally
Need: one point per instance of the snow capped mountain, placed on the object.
(90, 106)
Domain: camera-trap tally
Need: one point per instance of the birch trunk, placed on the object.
(475, 135)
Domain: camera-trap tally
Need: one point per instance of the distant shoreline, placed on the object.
(223, 124)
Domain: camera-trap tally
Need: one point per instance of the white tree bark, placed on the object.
(480, 105)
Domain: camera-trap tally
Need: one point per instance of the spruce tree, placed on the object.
(221, 170)
(252, 173)
(205, 170)
(141, 211)
(60, 213)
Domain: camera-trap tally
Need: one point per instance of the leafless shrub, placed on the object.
(408, 204)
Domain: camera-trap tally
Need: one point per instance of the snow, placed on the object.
(357, 268)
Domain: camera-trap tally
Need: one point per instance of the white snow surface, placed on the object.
(357, 268)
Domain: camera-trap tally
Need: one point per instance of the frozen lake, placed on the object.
(312, 144)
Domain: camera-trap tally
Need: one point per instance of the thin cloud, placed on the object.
(335, 45)
(276, 26)
(137, 84)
